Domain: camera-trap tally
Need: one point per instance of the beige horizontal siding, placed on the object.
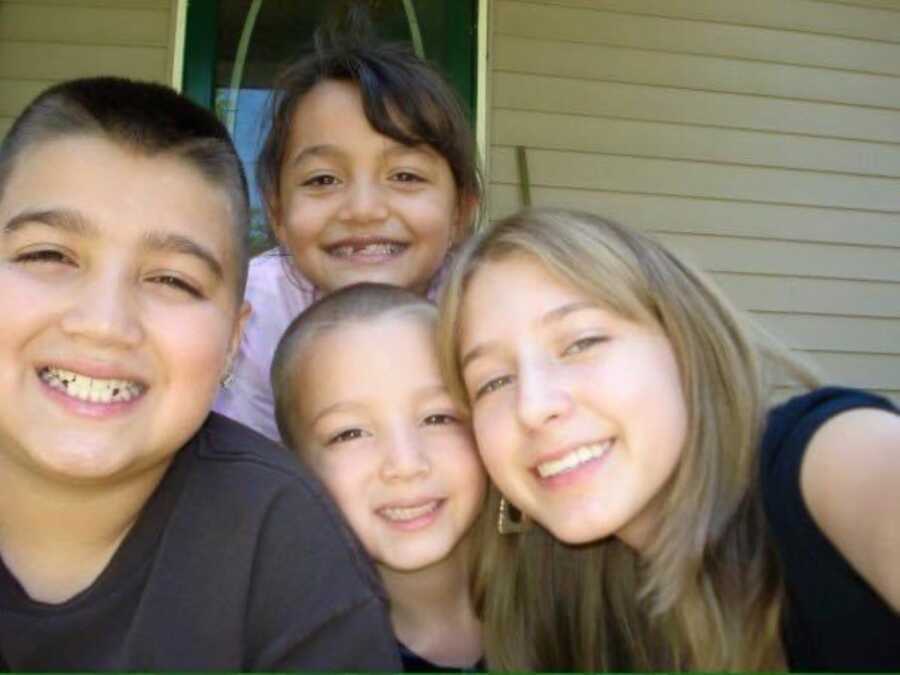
(806, 16)
(33, 22)
(714, 144)
(47, 41)
(103, 4)
(665, 213)
(54, 62)
(832, 297)
(553, 22)
(664, 104)
(817, 332)
(552, 168)
(760, 139)
(688, 71)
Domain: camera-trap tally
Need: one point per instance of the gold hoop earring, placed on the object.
(510, 520)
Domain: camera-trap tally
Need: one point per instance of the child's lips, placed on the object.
(91, 388)
(410, 513)
(366, 249)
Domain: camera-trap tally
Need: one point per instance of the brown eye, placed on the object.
(439, 419)
(407, 177)
(345, 436)
(323, 180)
(47, 255)
(177, 283)
(583, 344)
(493, 385)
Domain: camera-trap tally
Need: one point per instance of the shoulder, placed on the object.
(794, 422)
(831, 468)
(296, 570)
(791, 427)
(272, 277)
(239, 474)
(241, 471)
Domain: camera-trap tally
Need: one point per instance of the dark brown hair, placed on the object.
(403, 98)
(143, 116)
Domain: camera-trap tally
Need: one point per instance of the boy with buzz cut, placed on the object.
(138, 531)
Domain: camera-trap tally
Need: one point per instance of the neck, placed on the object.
(56, 537)
(432, 612)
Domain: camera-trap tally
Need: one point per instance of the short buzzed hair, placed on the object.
(353, 304)
(145, 117)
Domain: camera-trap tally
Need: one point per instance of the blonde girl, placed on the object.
(682, 523)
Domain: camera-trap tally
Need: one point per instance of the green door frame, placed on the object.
(200, 45)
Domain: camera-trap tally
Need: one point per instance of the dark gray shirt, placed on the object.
(239, 561)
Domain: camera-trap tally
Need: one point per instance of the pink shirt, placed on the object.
(277, 292)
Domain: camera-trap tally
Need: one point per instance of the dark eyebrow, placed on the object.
(553, 315)
(176, 243)
(60, 219)
(316, 151)
(395, 148)
(75, 223)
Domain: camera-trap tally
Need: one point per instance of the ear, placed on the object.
(466, 212)
(238, 330)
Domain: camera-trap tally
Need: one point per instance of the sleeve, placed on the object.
(248, 398)
(789, 430)
(315, 601)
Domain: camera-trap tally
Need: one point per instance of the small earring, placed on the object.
(227, 380)
(510, 520)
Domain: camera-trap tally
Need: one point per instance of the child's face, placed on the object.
(380, 430)
(358, 206)
(578, 413)
(117, 280)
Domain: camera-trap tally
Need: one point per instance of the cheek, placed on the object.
(344, 478)
(302, 218)
(459, 460)
(494, 443)
(195, 343)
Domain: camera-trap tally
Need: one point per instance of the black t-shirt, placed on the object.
(239, 561)
(413, 663)
(833, 618)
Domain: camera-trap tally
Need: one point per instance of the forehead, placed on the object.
(331, 114)
(365, 359)
(516, 287)
(121, 191)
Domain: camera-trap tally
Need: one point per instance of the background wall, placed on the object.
(45, 41)
(761, 139)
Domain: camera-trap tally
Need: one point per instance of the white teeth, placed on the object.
(573, 459)
(373, 249)
(91, 389)
(411, 513)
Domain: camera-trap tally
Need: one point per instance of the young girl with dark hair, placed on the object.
(368, 174)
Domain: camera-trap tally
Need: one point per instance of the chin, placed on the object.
(568, 534)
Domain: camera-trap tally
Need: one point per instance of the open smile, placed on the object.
(90, 389)
(375, 250)
(407, 515)
(573, 459)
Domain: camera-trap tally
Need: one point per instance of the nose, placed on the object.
(104, 312)
(542, 395)
(365, 202)
(403, 457)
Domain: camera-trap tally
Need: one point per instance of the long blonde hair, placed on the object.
(706, 593)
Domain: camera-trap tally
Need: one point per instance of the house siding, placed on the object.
(47, 41)
(759, 139)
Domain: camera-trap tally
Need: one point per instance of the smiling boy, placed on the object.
(138, 532)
